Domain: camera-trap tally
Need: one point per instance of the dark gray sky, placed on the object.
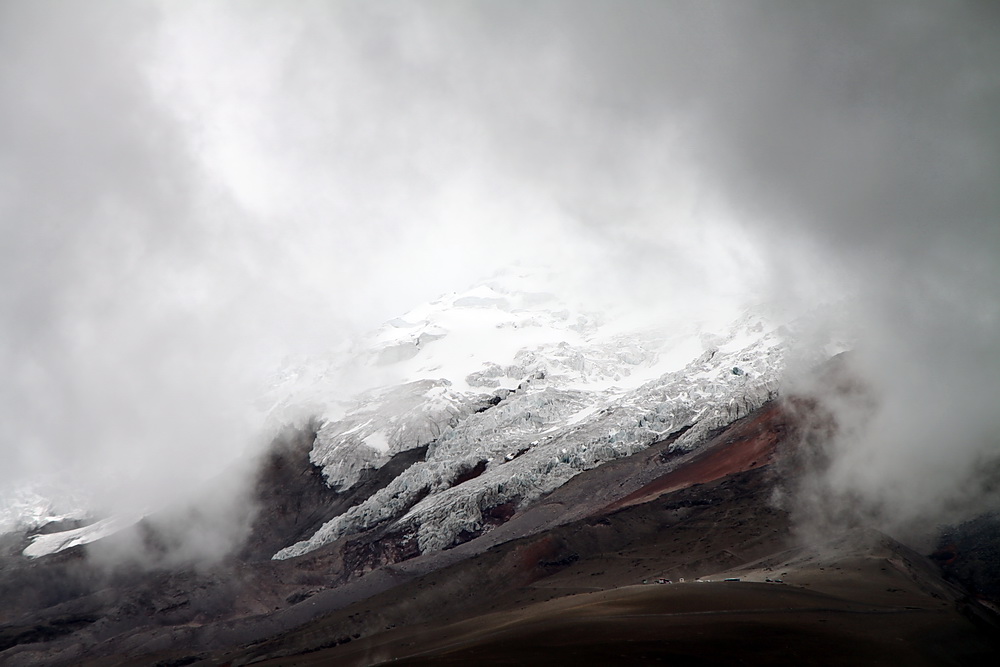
(190, 190)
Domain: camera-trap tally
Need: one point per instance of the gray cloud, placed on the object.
(109, 255)
(191, 190)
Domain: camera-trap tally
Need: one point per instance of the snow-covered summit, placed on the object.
(527, 392)
(425, 371)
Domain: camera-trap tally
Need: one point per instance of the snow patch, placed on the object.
(43, 545)
(377, 441)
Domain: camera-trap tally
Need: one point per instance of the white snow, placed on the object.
(584, 392)
(43, 545)
(377, 441)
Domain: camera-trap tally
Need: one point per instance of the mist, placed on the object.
(193, 192)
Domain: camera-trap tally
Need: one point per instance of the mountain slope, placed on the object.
(555, 408)
(563, 578)
(502, 470)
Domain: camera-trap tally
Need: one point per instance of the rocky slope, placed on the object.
(502, 465)
(572, 576)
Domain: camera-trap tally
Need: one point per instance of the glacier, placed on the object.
(529, 393)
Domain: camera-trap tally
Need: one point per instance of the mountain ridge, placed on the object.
(426, 518)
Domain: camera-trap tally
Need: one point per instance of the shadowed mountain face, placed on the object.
(660, 557)
(294, 499)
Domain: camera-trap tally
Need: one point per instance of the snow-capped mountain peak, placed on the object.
(526, 392)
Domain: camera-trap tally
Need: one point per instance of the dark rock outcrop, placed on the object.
(293, 499)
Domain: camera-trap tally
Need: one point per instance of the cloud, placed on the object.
(862, 145)
(190, 191)
(113, 263)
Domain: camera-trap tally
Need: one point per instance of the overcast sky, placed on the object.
(191, 190)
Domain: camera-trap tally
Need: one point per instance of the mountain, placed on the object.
(511, 393)
(509, 480)
(513, 398)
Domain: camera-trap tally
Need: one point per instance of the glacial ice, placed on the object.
(579, 402)
(394, 420)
